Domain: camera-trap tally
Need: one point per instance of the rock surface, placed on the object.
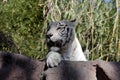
(19, 67)
(90, 70)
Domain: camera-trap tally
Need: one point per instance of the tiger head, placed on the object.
(59, 33)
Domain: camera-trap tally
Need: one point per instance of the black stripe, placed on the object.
(68, 35)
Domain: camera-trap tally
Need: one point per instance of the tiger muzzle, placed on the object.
(57, 43)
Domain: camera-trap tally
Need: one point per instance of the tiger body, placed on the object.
(63, 43)
(73, 52)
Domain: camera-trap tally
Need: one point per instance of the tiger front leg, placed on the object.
(53, 59)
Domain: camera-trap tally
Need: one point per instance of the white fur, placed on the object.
(53, 58)
(72, 52)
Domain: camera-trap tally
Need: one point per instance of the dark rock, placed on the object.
(19, 67)
(111, 70)
(90, 70)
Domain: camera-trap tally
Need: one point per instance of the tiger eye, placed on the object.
(58, 28)
(61, 24)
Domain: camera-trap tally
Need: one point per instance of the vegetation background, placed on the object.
(23, 24)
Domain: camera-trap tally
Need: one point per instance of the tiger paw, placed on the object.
(53, 59)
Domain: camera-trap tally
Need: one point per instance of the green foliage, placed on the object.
(23, 20)
(97, 25)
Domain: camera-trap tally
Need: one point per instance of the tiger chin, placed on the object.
(62, 43)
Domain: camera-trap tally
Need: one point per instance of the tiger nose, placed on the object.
(49, 35)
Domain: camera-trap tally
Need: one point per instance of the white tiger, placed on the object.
(62, 43)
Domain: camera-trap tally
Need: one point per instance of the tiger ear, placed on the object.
(73, 22)
(49, 23)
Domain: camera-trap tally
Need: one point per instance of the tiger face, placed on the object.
(59, 33)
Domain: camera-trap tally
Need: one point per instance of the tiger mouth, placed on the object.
(55, 44)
